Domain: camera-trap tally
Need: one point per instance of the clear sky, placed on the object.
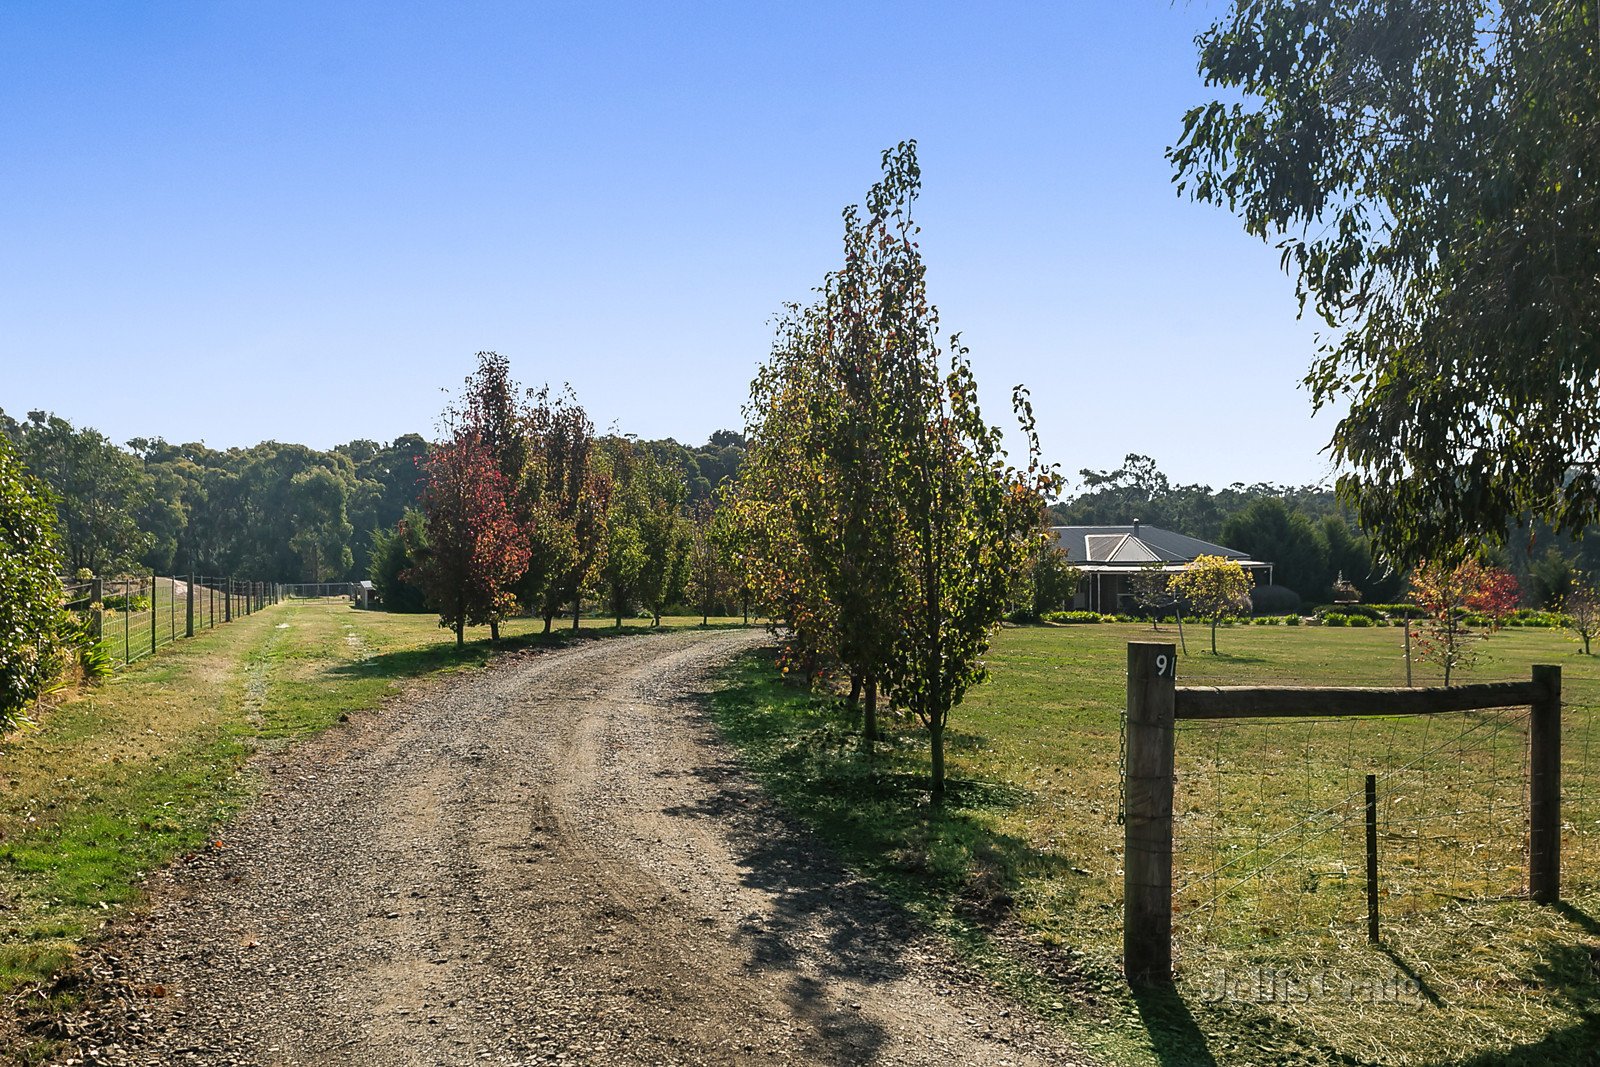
(237, 221)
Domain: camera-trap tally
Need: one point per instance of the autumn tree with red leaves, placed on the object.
(1449, 594)
(476, 550)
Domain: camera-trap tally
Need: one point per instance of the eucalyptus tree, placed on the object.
(1426, 170)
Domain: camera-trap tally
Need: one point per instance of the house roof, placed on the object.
(1132, 546)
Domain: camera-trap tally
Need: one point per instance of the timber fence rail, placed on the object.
(134, 615)
(1260, 812)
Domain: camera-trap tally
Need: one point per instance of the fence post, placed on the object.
(227, 601)
(1544, 788)
(153, 613)
(97, 614)
(1147, 828)
(1372, 858)
(188, 611)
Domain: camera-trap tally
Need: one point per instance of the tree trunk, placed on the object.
(548, 618)
(461, 632)
(936, 735)
(855, 690)
(577, 606)
(494, 629)
(1214, 621)
(870, 731)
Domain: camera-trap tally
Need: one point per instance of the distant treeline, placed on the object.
(274, 511)
(1305, 532)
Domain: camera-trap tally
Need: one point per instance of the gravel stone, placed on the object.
(550, 861)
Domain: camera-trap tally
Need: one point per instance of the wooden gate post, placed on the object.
(1147, 827)
(188, 611)
(1544, 788)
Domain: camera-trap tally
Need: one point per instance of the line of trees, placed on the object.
(525, 510)
(287, 512)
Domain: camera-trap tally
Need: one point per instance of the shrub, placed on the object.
(129, 602)
(1072, 616)
(1533, 617)
(32, 620)
(1333, 618)
(1400, 611)
(1358, 620)
(1291, 620)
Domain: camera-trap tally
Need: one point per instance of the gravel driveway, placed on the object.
(549, 861)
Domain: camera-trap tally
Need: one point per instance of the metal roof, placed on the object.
(1134, 545)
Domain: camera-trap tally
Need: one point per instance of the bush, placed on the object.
(1273, 600)
(1400, 611)
(1072, 616)
(1358, 620)
(1333, 618)
(394, 556)
(1291, 620)
(129, 602)
(32, 620)
(1544, 620)
(1371, 612)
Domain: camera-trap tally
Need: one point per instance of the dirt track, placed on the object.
(550, 861)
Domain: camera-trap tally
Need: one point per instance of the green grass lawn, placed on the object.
(1023, 868)
(148, 767)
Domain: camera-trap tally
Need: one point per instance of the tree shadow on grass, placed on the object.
(1569, 973)
(872, 813)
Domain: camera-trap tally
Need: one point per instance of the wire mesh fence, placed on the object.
(134, 615)
(1270, 825)
(1292, 823)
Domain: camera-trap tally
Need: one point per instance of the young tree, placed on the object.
(1419, 166)
(395, 553)
(644, 547)
(31, 619)
(1582, 613)
(1447, 592)
(708, 570)
(475, 549)
(965, 519)
(1152, 590)
(568, 493)
(1052, 580)
(1214, 587)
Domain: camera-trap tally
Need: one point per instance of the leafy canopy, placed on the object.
(1426, 168)
(31, 617)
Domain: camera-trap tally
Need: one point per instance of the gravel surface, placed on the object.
(553, 860)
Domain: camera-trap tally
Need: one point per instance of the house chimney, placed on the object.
(1136, 527)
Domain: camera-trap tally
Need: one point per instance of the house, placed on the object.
(1109, 557)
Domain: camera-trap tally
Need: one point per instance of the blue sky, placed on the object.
(238, 221)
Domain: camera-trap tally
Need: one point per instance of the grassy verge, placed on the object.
(148, 767)
(1022, 869)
